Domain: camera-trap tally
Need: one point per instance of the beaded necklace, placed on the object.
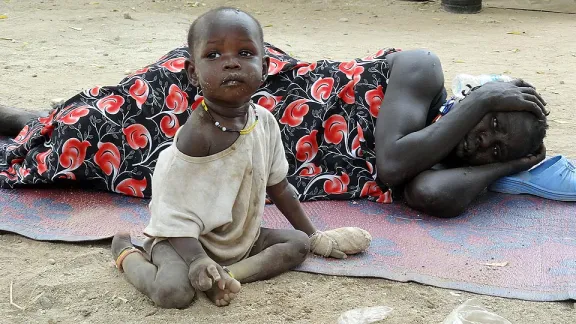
(244, 131)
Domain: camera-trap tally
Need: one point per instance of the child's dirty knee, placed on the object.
(300, 246)
(174, 296)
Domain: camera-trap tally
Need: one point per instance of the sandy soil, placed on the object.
(60, 47)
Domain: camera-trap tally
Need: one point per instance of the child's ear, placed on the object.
(191, 71)
(265, 65)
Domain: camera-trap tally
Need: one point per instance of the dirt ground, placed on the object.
(56, 48)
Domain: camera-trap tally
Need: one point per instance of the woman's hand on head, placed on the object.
(517, 95)
(527, 162)
(534, 95)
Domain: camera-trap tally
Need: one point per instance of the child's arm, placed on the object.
(189, 248)
(286, 200)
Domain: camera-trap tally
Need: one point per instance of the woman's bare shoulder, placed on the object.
(421, 68)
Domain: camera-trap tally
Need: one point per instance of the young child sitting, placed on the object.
(209, 187)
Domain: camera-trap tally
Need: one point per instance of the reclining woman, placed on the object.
(378, 127)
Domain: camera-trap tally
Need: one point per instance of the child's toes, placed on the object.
(222, 302)
(233, 286)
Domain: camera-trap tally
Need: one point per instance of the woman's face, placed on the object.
(498, 137)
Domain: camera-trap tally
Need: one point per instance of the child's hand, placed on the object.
(340, 242)
(208, 276)
(204, 273)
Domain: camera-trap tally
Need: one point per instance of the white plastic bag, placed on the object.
(462, 81)
(472, 312)
(364, 315)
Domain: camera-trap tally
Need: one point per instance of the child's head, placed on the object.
(227, 58)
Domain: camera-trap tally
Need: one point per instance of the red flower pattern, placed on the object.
(139, 91)
(370, 167)
(73, 116)
(276, 66)
(67, 175)
(132, 187)
(374, 98)
(41, 161)
(306, 69)
(377, 54)
(23, 172)
(73, 153)
(337, 185)
(137, 136)
(169, 125)
(385, 198)
(48, 119)
(310, 170)
(177, 100)
(94, 91)
(110, 104)
(23, 136)
(10, 174)
(47, 130)
(358, 139)
(335, 129)
(174, 65)
(348, 94)
(371, 189)
(351, 69)
(107, 158)
(294, 113)
(307, 147)
(322, 88)
(269, 102)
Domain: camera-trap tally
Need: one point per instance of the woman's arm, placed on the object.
(404, 145)
(447, 193)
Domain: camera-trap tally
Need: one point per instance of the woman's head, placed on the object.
(501, 137)
(227, 56)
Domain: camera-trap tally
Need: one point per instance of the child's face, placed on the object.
(228, 62)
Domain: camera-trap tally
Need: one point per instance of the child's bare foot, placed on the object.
(206, 275)
(120, 242)
(224, 290)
